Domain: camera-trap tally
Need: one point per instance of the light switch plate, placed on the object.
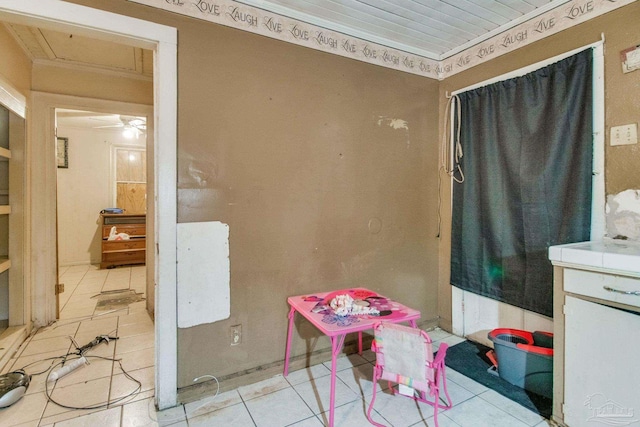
(624, 135)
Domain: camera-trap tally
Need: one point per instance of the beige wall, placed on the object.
(622, 92)
(17, 71)
(285, 145)
(293, 149)
(88, 84)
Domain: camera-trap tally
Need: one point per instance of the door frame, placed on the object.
(162, 40)
(44, 106)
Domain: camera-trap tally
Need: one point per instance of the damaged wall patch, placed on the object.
(393, 123)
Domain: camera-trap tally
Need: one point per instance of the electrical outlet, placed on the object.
(624, 135)
(236, 334)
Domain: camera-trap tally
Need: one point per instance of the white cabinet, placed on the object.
(596, 333)
(602, 378)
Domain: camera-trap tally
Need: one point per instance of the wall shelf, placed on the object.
(5, 264)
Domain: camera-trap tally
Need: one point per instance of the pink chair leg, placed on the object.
(376, 376)
(448, 403)
(287, 353)
(336, 346)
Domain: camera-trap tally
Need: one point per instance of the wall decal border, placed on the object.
(547, 24)
(237, 15)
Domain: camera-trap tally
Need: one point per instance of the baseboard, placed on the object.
(10, 341)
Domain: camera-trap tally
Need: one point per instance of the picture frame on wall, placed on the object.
(62, 152)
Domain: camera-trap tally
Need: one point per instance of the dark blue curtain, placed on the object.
(527, 145)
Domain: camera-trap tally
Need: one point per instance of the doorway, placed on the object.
(101, 160)
(162, 41)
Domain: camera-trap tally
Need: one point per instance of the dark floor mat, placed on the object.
(470, 359)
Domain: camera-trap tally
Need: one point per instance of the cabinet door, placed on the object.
(602, 374)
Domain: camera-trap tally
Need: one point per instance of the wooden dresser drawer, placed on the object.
(131, 256)
(122, 245)
(123, 252)
(137, 230)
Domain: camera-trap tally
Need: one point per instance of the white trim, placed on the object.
(93, 23)
(43, 189)
(457, 314)
(598, 221)
(62, 16)
(165, 85)
(12, 99)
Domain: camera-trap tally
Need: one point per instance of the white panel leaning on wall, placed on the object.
(203, 273)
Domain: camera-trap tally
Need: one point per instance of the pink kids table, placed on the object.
(315, 308)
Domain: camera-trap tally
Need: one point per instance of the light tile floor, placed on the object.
(301, 399)
(102, 380)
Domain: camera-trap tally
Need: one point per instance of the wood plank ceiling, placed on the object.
(435, 29)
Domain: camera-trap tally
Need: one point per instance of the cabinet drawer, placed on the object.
(138, 230)
(122, 245)
(595, 285)
(124, 256)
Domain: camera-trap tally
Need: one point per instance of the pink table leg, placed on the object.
(292, 312)
(360, 343)
(336, 345)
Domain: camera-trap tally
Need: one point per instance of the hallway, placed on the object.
(85, 314)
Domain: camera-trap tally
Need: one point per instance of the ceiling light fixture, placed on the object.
(129, 132)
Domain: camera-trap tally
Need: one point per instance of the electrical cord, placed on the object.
(39, 361)
(81, 352)
(101, 405)
(211, 377)
(449, 165)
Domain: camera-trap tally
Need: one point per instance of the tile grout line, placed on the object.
(74, 289)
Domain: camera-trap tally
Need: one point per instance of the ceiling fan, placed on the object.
(135, 125)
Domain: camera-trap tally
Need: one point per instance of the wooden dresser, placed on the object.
(123, 252)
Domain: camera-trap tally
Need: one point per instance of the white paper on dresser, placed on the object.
(203, 273)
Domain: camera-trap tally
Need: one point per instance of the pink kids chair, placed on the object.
(404, 356)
